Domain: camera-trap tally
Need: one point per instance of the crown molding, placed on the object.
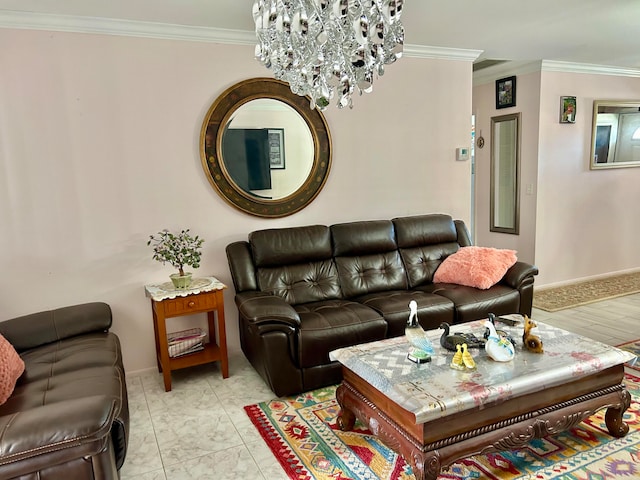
(491, 74)
(569, 67)
(132, 28)
(444, 53)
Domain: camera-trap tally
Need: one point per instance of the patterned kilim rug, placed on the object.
(302, 434)
(633, 347)
(582, 293)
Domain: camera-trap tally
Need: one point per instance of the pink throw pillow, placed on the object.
(480, 267)
(11, 367)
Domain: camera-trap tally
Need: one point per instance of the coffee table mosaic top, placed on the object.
(433, 390)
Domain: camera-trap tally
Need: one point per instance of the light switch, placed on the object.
(462, 153)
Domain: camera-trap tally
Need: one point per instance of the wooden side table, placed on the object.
(205, 295)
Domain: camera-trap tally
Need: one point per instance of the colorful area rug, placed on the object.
(303, 435)
(633, 347)
(583, 293)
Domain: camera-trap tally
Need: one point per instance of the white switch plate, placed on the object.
(462, 153)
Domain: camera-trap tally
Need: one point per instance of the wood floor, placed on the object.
(612, 321)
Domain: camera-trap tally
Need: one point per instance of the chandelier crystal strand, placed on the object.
(328, 48)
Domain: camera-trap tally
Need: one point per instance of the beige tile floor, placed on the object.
(199, 430)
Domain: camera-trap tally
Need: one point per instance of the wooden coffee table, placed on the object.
(434, 415)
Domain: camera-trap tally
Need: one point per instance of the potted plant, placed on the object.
(178, 249)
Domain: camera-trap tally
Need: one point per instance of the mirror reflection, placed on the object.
(256, 143)
(505, 178)
(615, 139)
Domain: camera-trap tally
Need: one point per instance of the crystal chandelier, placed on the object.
(324, 48)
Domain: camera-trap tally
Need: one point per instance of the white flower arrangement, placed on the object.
(178, 249)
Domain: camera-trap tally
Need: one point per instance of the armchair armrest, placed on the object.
(58, 429)
(31, 331)
(262, 308)
(520, 274)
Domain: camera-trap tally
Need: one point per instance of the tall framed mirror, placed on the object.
(263, 149)
(615, 137)
(505, 174)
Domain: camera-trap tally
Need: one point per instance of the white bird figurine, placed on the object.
(417, 337)
(498, 348)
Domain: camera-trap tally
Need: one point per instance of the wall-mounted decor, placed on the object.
(506, 92)
(276, 148)
(505, 174)
(567, 109)
(615, 134)
(242, 148)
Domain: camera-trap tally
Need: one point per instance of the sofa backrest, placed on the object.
(367, 257)
(345, 260)
(295, 263)
(424, 241)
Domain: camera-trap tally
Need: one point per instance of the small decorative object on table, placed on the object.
(462, 359)
(500, 333)
(179, 250)
(450, 340)
(498, 348)
(531, 342)
(417, 337)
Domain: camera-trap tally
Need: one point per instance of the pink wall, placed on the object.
(484, 107)
(587, 220)
(576, 223)
(99, 149)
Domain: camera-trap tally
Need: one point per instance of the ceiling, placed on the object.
(579, 31)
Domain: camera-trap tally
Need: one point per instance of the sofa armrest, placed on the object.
(520, 274)
(262, 308)
(60, 429)
(36, 329)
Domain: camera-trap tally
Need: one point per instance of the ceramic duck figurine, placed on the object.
(450, 340)
(467, 359)
(531, 342)
(498, 348)
(456, 361)
(417, 337)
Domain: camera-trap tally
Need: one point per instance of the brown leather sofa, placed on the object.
(302, 292)
(68, 416)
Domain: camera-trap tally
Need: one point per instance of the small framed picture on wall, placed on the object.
(567, 109)
(506, 92)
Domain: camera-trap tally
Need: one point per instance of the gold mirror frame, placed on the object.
(213, 162)
(615, 141)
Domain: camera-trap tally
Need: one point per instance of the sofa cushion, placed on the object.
(302, 283)
(289, 246)
(421, 230)
(424, 241)
(363, 238)
(393, 305)
(329, 325)
(371, 273)
(79, 366)
(479, 267)
(367, 257)
(11, 367)
(473, 304)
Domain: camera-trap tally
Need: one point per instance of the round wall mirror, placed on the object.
(263, 149)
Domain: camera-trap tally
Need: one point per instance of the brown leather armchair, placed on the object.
(68, 416)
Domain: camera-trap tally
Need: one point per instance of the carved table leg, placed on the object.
(346, 418)
(425, 466)
(613, 418)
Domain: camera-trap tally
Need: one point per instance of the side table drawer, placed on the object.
(190, 304)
